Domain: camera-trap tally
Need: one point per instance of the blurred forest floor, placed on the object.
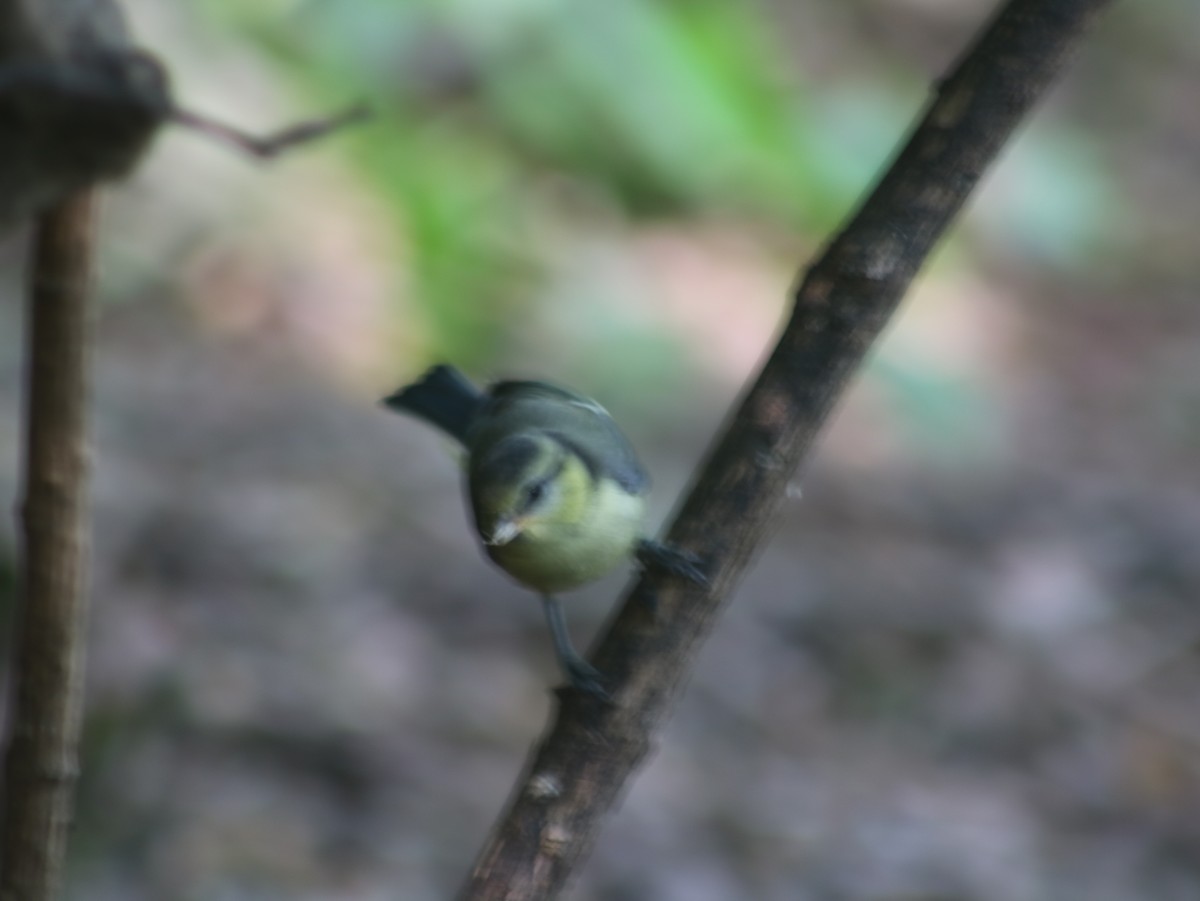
(965, 667)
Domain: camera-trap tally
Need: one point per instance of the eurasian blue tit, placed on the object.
(555, 488)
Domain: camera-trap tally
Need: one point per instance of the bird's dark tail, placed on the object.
(443, 397)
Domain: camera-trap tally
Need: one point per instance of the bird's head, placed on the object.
(527, 483)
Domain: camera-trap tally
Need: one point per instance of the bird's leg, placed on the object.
(582, 675)
(677, 562)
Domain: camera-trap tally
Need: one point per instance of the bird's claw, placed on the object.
(674, 560)
(586, 679)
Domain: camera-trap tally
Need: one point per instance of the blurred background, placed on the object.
(964, 669)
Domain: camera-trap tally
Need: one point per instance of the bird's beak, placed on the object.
(506, 530)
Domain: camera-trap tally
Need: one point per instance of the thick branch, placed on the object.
(41, 760)
(583, 762)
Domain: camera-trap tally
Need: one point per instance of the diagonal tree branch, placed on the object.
(41, 760)
(582, 764)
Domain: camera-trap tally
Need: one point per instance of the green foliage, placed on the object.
(666, 109)
(687, 110)
(944, 413)
(1054, 201)
(672, 108)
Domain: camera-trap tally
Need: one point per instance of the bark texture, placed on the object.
(41, 760)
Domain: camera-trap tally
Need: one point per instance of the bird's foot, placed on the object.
(585, 678)
(677, 562)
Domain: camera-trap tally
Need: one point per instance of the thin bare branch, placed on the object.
(41, 759)
(282, 141)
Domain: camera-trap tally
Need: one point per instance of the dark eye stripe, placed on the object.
(508, 460)
(534, 493)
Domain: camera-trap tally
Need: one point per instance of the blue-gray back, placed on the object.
(577, 422)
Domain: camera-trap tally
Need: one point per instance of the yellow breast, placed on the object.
(590, 538)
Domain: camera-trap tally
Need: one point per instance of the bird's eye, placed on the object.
(534, 493)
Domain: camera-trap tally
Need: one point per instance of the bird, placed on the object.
(555, 489)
